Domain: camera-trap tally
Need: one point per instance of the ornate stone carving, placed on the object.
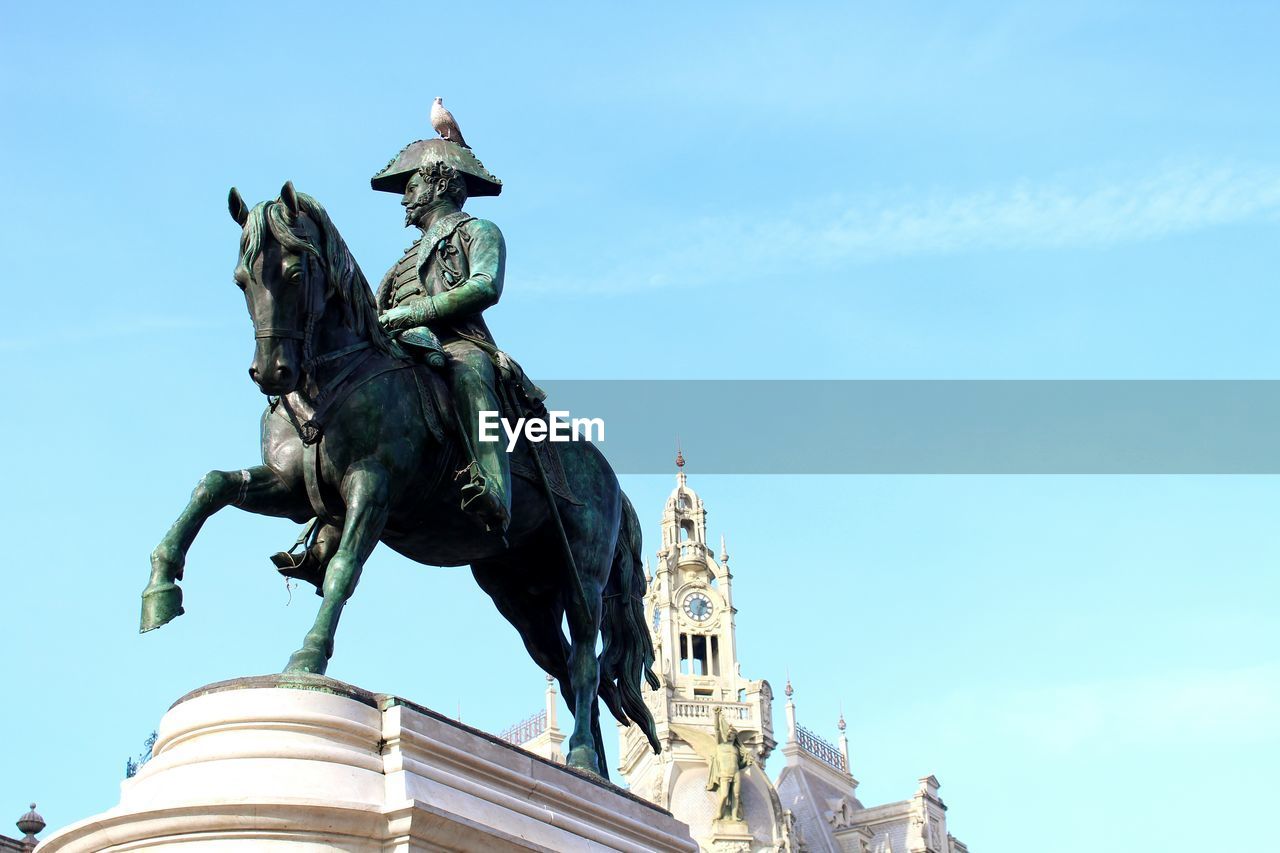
(727, 845)
(839, 813)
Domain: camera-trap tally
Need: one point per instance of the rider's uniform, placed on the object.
(456, 270)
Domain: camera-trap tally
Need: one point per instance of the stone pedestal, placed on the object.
(729, 836)
(306, 763)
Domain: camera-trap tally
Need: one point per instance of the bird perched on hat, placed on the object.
(445, 124)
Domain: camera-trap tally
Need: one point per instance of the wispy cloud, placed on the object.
(1060, 214)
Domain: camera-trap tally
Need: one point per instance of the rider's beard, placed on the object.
(411, 214)
(414, 210)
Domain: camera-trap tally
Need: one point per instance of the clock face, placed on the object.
(697, 607)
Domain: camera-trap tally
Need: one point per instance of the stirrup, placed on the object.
(479, 499)
(291, 560)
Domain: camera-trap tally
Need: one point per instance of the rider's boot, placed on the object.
(484, 501)
(319, 542)
(487, 490)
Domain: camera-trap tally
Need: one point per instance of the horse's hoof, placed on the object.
(584, 758)
(160, 604)
(307, 660)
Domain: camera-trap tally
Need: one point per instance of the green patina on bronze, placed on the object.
(367, 431)
(291, 681)
(433, 299)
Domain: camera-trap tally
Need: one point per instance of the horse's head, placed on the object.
(292, 264)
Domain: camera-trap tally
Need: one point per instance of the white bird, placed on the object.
(445, 124)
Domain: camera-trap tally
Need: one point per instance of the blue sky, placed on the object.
(896, 190)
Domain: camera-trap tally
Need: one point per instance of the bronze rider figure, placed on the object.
(435, 296)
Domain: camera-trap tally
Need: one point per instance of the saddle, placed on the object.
(518, 396)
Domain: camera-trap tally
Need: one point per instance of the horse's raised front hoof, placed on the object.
(161, 602)
(307, 660)
(584, 758)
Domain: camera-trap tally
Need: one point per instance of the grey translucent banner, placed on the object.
(933, 427)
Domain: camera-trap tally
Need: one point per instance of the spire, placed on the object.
(844, 742)
(684, 518)
(551, 704)
(791, 710)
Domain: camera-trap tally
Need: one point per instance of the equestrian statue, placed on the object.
(371, 435)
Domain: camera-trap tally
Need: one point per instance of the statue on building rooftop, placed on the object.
(725, 773)
(727, 757)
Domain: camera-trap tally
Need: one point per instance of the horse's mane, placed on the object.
(345, 278)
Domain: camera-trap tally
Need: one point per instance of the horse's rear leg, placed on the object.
(258, 489)
(593, 559)
(584, 673)
(536, 615)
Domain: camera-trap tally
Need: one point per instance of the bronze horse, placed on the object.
(377, 466)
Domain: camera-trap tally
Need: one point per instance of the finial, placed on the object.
(679, 454)
(724, 552)
(550, 679)
(30, 824)
(787, 690)
(841, 724)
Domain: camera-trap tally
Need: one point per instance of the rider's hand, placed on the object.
(397, 318)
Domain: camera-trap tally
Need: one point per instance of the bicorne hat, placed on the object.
(424, 152)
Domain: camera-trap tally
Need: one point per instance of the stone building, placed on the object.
(812, 804)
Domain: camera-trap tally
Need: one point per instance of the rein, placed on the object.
(357, 371)
(273, 332)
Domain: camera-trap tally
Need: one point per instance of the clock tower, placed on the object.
(691, 615)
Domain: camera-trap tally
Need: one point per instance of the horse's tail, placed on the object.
(627, 656)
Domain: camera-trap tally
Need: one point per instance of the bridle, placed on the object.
(313, 281)
(313, 297)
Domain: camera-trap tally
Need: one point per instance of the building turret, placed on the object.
(692, 618)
